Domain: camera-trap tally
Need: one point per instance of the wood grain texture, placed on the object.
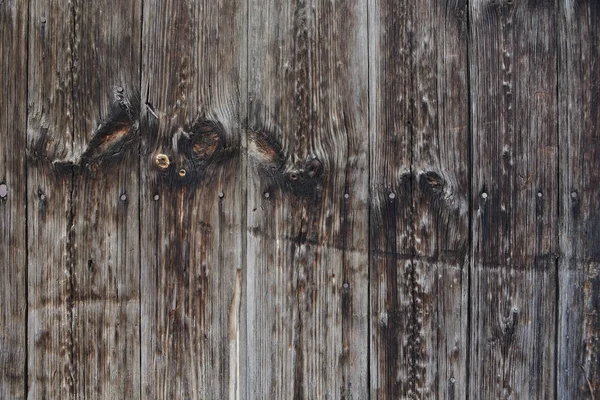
(104, 219)
(50, 137)
(513, 75)
(579, 228)
(84, 236)
(419, 185)
(194, 90)
(307, 282)
(13, 242)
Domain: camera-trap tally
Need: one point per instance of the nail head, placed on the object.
(3, 190)
(182, 172)
(267, 195)
(221, 195)
(392, 195)
(123, 197)
(484, 195)
(156, 197)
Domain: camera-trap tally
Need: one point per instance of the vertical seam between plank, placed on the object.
(71, 214)
(369, 197)
(26, 366)
(558, 203)
(470, 205)
(140, 188)
(245, 207)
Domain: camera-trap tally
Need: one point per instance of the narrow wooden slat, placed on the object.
(513, 74)
(105, 208)
(13, 274)
(194, 90)
(579, 232)
(49, 138)
(419, 220)
(307, 285)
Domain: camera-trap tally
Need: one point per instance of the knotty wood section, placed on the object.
(307, 282)
(579, 232)
(194, 91)
(50, 137)
(513, 79)
(13, 273)
(419, 211)
(83, 203)
(104, 227)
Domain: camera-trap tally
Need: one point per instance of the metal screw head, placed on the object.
(162, 161)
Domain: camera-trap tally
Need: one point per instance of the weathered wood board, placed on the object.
(513, 83)
(83, 201)
(194, 93)
(419, 193)
(578, 355)
(13, 242)
(307, 281)
(300, 199)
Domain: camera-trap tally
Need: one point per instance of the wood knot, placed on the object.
(162, 161)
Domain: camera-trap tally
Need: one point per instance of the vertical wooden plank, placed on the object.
(420, 184)
(105, 210)
(49, 137)
(193, 80)
(307, 285)
(83, 200)
(579, 228)
(13, 274)
(514, 193)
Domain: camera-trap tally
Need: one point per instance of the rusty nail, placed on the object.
(162, 161)
(182, 172)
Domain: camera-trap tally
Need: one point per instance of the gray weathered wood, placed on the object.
(419, 213)
(513, 81)
(13, 273)
(193, 71)
(49, 137)
(104, 229)
(579, 232)
(84, 235)
(307, 285)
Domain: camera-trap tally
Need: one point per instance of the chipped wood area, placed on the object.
(300, 199)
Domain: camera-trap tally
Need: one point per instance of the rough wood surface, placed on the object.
(578, 355)
(49, 137)
(307, 260)
(104, 231)
(13, 243)
(83, 201)
(419, 213)
(192, 210)
(513, 80)
(300, 199)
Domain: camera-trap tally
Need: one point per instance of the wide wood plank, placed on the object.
(104, 222)
(513, 75)
(13, 274)
(49, 138)
(83, 201)
(307, 282)
(419, 184)
(194, 92)
(579, 233)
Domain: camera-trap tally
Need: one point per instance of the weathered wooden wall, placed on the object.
(300, 199)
